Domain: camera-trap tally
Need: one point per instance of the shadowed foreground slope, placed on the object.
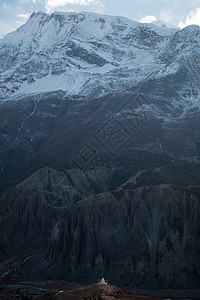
(93, 292)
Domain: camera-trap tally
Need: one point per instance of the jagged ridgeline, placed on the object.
(99, 151)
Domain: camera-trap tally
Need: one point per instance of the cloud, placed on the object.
(50, 5)
(58, 3)
(147, 19)
(23, 16)
(193, 18)
(28, 1)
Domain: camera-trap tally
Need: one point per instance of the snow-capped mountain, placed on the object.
(109, 185)
(79, 53)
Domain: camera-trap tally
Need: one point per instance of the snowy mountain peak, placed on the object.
(79, 53)
(51, 27)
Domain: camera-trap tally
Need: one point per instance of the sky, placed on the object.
(13, 13)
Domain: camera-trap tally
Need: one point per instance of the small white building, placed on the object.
(102, 281)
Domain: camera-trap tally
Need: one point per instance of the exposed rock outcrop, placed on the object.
(142, 237)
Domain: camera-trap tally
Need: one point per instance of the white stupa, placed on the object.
(103, 281)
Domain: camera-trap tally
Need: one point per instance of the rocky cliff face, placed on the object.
(124, 133)
(142, 237)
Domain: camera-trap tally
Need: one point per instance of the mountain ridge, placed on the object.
(68, 49)
(99, 151)
(131, 235)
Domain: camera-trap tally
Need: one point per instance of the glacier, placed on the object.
(79, 53)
